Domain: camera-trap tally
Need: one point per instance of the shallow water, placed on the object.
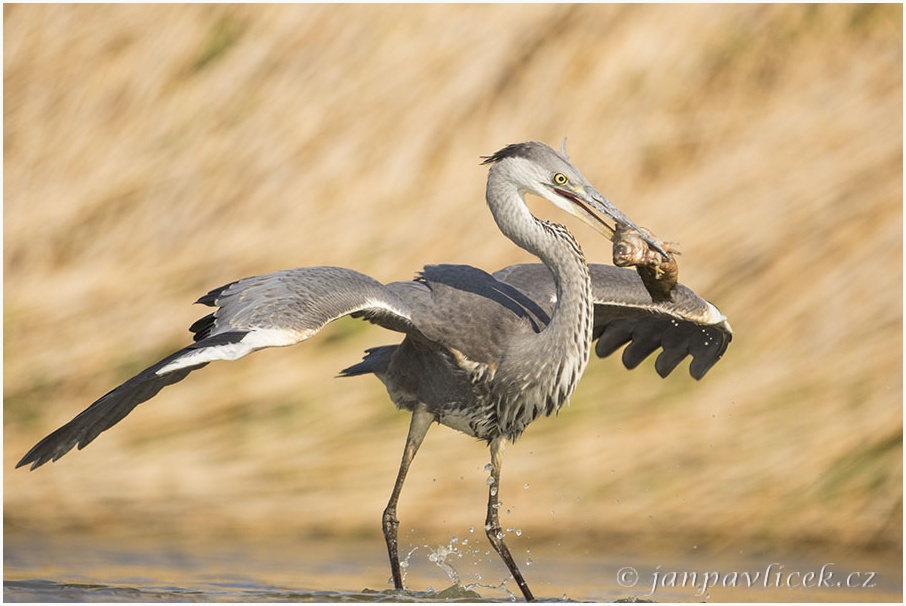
(66, 569)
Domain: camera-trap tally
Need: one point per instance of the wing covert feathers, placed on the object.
(625, 313)
(272, 310)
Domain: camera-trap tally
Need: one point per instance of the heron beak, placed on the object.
(587, 200)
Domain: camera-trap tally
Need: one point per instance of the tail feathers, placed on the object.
(376, 361)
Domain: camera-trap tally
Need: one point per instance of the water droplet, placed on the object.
(489, 468)
(493, 491)
(471, 529)
(518, 532)
(526, 485)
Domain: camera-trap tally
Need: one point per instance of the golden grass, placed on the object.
(154, 152)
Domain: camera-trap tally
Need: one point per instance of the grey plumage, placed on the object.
(485, 354)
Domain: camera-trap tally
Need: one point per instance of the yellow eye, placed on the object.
(560, 179)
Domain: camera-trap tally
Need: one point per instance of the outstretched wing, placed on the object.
(272, 310)
(625, 313)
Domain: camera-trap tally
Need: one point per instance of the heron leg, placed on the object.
(418, 427)
(492, 522)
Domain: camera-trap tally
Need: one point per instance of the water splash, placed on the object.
(404, 566)
(441, 553)
(501, 587)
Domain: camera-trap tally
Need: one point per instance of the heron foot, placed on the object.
(391, 527)
(495, 536)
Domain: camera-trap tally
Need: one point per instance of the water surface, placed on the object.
(40, 568)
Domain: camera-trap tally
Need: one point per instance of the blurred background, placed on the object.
(152, 153)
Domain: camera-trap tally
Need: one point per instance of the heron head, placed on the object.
(536, 168)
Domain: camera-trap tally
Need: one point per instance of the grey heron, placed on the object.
(485, 354)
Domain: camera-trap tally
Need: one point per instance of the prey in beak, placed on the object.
(659, 275)
(586, 200)
(633, 246)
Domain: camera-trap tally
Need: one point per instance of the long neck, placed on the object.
(572, 316)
